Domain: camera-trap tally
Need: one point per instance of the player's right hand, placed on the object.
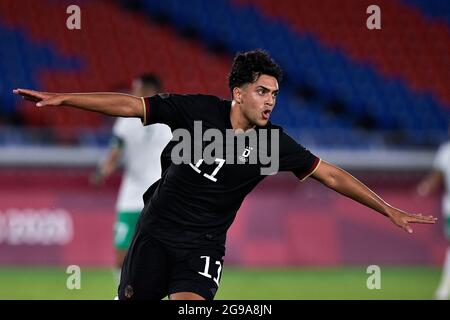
(42, 98)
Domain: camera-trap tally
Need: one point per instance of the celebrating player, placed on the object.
(179, 244)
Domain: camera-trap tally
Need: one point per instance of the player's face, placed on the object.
(258, 99)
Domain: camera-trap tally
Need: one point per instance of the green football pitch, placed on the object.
(237, 283)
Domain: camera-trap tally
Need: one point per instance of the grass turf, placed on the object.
(236, 283)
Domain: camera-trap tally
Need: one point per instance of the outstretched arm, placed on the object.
(341, 181)
(112, 104)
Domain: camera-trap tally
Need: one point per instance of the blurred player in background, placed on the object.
(140, 148)
(438, 177)
(180, 240)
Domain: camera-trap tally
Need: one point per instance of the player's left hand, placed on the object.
(403, 219)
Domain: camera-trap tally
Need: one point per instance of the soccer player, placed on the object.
(140, 148)
(438, 177)
(179, 244)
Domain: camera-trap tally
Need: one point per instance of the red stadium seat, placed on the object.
(112, 47)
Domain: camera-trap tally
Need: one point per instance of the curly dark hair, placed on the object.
(249, 66)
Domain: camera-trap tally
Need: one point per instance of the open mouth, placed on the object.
(266, 114)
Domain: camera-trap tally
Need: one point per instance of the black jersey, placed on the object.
(194, 204)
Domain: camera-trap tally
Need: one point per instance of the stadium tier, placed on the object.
(380, 84)
(436, 9)
(345, 86)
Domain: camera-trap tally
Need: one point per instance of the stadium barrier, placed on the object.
(51, 215)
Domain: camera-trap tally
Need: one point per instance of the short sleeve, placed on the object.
(175, 110)
(296, 158)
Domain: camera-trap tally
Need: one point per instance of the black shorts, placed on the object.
(152, 270)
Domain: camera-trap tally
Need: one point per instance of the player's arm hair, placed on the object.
(112, 104)
(344, 183)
